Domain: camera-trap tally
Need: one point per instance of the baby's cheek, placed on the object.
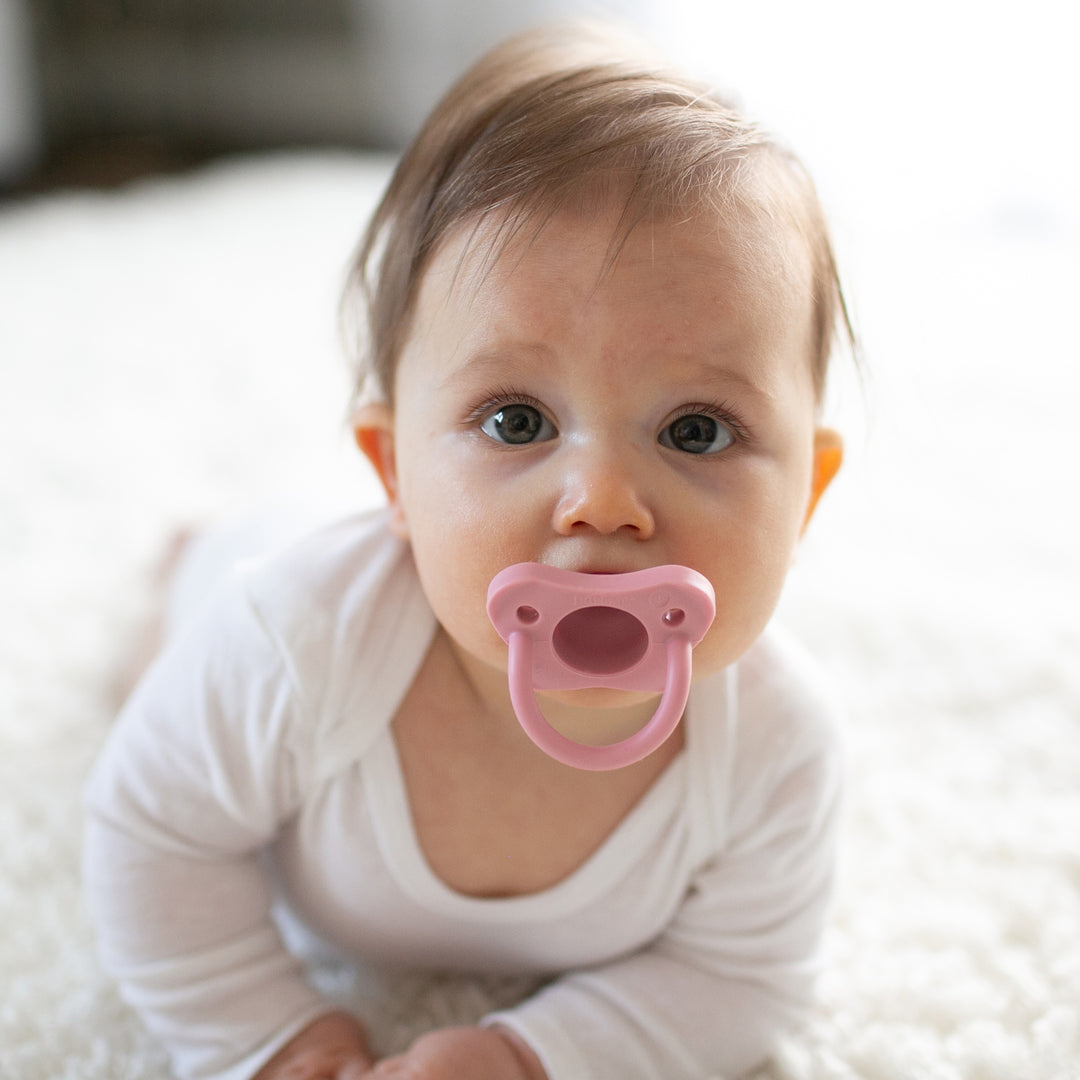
(742, 613)
(458, 597)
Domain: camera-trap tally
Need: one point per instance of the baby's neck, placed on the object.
(494, 815)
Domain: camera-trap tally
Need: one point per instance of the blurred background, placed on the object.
(962, 104)
(94, 91)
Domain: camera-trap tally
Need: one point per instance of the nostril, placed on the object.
(605, 527)
(606, 505)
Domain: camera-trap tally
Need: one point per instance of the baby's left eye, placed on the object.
(697, 433)
(517, 424)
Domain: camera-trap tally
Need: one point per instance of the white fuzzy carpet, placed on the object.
(169, 351)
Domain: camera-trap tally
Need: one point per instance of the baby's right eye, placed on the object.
(517, 425)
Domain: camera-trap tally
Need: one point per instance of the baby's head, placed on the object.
(574, 114)
(600, 309)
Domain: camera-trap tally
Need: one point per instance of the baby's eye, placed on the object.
(697, 433)
(517, 425)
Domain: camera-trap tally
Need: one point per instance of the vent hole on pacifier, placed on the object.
(674, 617)
(527, 615)
(600, 640)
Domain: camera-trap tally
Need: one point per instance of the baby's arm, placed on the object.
(191, 942)
(201, 769)
(733, 972)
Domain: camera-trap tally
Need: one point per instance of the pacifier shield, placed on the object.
(569, 630)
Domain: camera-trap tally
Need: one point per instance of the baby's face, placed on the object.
(553, 407)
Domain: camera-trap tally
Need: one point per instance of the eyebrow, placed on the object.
(506, 360)
(510, 357)
(745, 382)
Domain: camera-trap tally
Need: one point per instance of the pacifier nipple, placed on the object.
(600, 640)
(568, 630)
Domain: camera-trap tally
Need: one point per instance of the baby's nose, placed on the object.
(604, 493)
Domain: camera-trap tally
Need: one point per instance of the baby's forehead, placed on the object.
(510, 297)
(744, 240)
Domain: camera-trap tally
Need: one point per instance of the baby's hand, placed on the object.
(467, 1053)
(331, 1048)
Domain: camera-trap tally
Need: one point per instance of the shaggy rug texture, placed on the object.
(169, 353)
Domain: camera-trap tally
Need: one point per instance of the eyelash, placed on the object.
(500, 399)
(721, 411)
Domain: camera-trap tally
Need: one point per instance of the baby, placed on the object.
(600, 307)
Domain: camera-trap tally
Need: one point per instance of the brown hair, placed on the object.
(555, 113)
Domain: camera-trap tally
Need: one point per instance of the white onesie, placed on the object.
(679, 950)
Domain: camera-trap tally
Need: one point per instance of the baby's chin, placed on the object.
(597, 716)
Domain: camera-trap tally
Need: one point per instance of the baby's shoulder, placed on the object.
(776, 756)
(782, 688)
(344, 610)
(330, 579)
(769, 712)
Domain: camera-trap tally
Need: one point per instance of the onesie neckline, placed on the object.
(620, 851)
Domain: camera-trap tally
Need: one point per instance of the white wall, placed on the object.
(942, 106)
(931, 110)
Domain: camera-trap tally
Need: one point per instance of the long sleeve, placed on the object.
(735, 969)
(199, 771)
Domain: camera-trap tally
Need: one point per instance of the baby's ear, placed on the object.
(373, 430)
(828, 457)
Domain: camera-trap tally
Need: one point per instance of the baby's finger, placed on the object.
(394, 1068)
(355, 1070)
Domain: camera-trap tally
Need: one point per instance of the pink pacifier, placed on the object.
(568, 630)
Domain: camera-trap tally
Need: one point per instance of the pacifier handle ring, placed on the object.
(599, 758)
